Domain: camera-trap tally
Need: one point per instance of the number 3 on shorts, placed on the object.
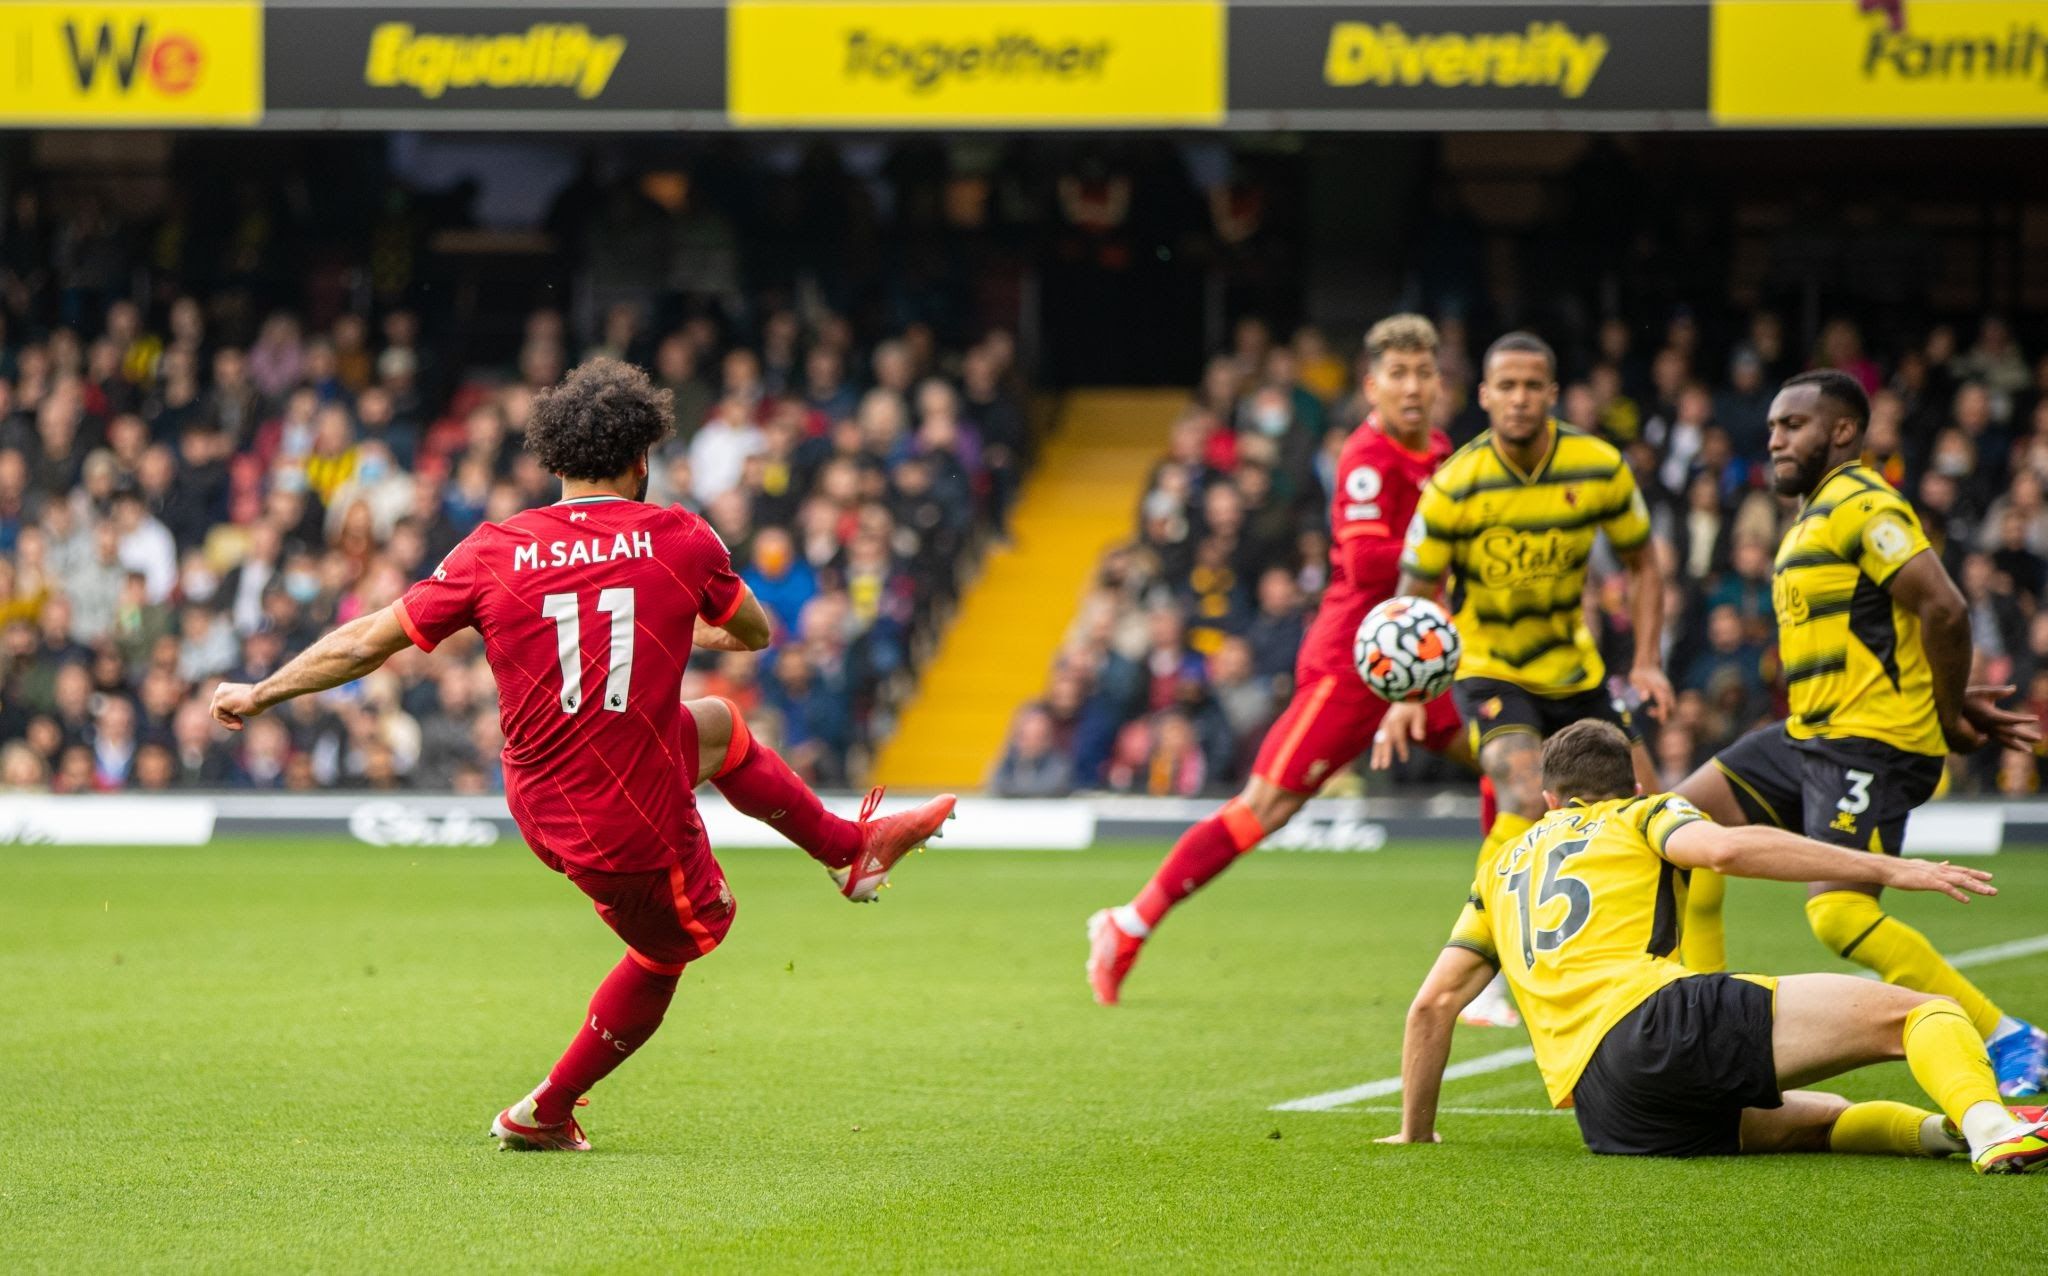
(1858, 799)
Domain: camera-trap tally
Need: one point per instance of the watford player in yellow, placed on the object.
(1512, 518)
(1583, 914)
(1875, 640)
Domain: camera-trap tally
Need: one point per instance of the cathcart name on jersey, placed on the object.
(583, 553)
(1507, 557)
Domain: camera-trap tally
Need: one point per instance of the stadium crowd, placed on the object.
(182, 502)
(1183, 651)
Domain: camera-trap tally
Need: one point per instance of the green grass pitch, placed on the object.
(282, 1056)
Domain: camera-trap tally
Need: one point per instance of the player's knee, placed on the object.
(1843, 919)
(654, 966)
(1802, 1123)
(1891, 1022)
(714, 716)
(1270, 805)
(722, 734)
(1514, 763)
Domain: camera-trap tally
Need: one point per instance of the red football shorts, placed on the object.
(1331, 721)
(668, 917)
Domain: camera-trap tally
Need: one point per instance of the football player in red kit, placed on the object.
(1333, 715)
(588, 609)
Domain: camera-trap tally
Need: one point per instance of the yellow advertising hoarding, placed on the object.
(792, 63)
(1931, 62)
(131, 63)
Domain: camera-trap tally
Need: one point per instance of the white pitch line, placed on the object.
(1999, 952)
(1392, 1085)
(1504, 1059)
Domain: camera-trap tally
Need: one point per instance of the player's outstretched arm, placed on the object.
(347, 653)
(1457, 977)
(1756, 850)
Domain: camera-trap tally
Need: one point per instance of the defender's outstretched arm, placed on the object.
(1757, 850)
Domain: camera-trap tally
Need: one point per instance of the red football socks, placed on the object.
(624, 1012)
(1202, 852)
(758, 782)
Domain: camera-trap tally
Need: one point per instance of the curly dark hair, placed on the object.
(601, 418)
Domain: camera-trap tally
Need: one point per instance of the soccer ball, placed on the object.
(1407, 649)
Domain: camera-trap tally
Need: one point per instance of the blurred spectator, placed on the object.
(781, 580)
(1033, 764)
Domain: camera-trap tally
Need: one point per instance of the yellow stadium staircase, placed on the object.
(1081, 498)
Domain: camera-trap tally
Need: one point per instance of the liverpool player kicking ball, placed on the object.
(588, 609)
(1333, 715)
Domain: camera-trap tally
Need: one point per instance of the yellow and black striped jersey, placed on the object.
(1854, 665)
(1582, 914)
(1517, 545)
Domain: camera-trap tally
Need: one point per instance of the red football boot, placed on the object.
(1111, 953)
(516, 1130)
(888, 839)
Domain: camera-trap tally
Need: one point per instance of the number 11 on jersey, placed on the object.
(564, 610)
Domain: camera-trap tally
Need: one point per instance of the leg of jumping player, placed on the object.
(668, 918)
(1512, 762)
(1324, 727)
(1825, 1025)
(759, 783)
(1210, 845)
(755, 779)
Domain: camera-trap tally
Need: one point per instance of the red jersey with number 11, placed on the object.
(1378, 484)
(586, 609)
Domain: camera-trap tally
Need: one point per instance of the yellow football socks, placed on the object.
(1854, 925)
(1946, 1053)
(1885, 1128)
(1703, 945)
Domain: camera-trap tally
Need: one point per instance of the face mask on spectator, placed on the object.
(373, 469)
(1952, 464)
(303, 587)
(1271, 421)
